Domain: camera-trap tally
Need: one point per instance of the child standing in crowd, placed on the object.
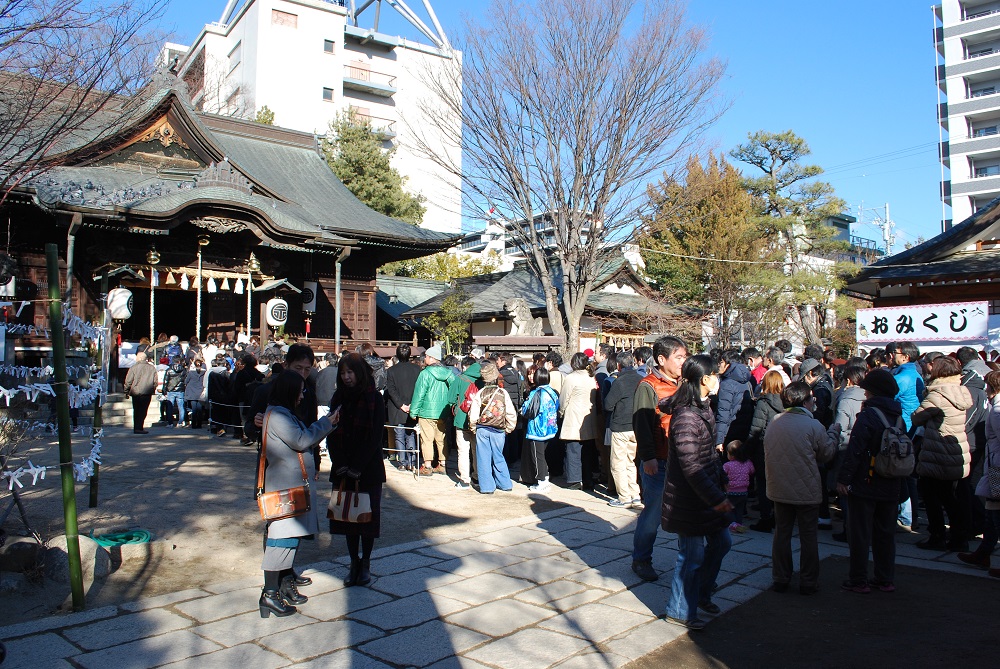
(738, 470)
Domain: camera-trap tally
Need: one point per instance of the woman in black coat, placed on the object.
(356, 453)
(694, 498)
(768, 406)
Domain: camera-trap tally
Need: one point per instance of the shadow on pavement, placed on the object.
(933, 619)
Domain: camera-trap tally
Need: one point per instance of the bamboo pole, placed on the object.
(65, 438)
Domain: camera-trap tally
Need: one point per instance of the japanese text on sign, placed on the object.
(957, 322)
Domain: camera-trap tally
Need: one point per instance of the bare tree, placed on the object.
(220, 93)
(68, 68)
(567, 109)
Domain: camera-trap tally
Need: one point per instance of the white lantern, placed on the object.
(277, 312)
(120, 303)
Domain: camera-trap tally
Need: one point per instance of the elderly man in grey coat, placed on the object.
(140, 384)
(794, 446)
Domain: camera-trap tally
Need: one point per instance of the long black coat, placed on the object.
(401, 378)
(857, 470)
(694, 475)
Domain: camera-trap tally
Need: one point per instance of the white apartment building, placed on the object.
(967, 39)
(307, 61)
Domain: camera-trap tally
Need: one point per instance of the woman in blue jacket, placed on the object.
(541, 409)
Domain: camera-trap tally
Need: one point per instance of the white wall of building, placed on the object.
(286, 65)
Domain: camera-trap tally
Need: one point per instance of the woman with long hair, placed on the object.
(577, 403)
(356, 454)
(286, 438)
(695, 506)
(768, 406)
(991, 529)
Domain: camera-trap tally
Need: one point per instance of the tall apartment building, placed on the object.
(967, 39)
(307, 61)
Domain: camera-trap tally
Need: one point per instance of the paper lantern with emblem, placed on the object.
(120, 303)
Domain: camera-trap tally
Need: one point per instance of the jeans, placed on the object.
(699, 559)
(649, 519)
(176, 398)
(490, 463)
(194, 409)
(406, 445)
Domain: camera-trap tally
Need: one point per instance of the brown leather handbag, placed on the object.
(280, 504)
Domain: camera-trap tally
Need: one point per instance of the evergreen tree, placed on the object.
(264, 116)
(706, 245)
(353, 149)
(444, 266)
(799, 208)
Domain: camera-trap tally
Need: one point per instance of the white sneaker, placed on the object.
(541, 486)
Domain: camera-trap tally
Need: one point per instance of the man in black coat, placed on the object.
(299, 359)
(401, 378)
(514, 386)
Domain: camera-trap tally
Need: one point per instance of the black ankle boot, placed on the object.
(290, 593)
(364, 574)
(352, 575)
(272, 602)
(301, 581)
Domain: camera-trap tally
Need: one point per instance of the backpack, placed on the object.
(494, 410)
(895, 458)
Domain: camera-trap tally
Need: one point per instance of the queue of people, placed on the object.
(686, 440)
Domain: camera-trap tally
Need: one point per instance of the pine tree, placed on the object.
(354, 151)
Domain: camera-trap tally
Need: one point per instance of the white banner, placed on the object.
(952, 322)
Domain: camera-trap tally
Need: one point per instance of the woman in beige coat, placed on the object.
(944, 461)
(576, 408)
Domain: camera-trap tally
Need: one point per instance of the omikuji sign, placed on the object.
(953, 322)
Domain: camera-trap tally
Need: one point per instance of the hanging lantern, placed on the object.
(225, 284)
(184, 282)
(238, 288)
(170, 278)
(211, 285)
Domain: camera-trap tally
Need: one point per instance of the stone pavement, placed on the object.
(551, 589)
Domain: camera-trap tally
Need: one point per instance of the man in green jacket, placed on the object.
(430, 399)
(465, 439)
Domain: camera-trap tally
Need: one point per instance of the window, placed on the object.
(279, 18)
(236, 56)
(985, 131)
(329, 46)
(328, 95)
(977, 52)
(987, 170)
(980, 92)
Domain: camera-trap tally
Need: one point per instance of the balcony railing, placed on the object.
(979, 15)
(983, 92)
(990, 171)
(984, 132)
(983, 53)
(383, 127)
(368, 81)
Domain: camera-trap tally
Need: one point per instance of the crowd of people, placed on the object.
(695, 443)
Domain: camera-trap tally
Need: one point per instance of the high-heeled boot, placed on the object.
(364, 574)
(290, 593)
(352, 575)
(271, 601)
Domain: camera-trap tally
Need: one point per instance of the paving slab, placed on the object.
(484, 588)
(550, 592)
(243, 655)
(501, 617)
(576, 537)
(453, 549)
(149, 652)
(414, 581)
(347, 658)
(456, 662)
(613, 576)
(511, 536)
(595, 622)
(534, 549)
(224, 605)
(401, 562)
(307, 641)
(644, 639)
(543, 569)
(425, 644)
(595, 556)
(535, 648)
(594, 659)
(164, 600)
(40, 650)
(645, 598)
(409, 611)
(339, 603)
(57, 621)
(122, 629)
(478, 563)
(250, 626)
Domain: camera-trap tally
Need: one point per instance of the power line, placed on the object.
(744, 262)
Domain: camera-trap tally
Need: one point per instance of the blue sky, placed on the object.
(854, 78)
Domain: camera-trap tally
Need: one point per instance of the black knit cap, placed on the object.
(880, 382)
